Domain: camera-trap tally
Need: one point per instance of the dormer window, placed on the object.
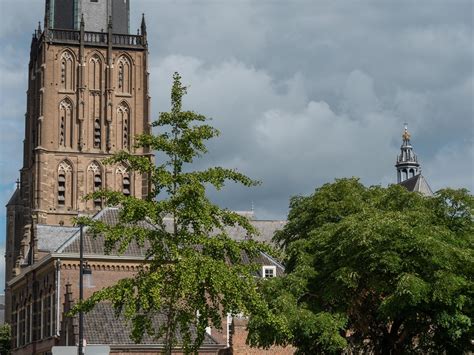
(268, 271)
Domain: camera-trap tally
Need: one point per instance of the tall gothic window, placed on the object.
(16, 326)
(123, 126)
(46, 315)
(66, 124)
(22, 324)
(65, 186)
(123, 180)
(67, 71)
(30, 320)
(124, 75)
(94, 173)
(95, 73)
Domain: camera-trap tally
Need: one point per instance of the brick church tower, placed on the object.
(87, 98)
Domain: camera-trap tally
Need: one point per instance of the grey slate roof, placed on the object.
(51, 238)
(103, 326)
(95, 245)
(66, 239)
(15, 199)
(419, 184)
(265, 230)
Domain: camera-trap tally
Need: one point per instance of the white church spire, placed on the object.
(407, 162)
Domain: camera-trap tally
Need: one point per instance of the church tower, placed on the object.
(87, 98)
(407, 162)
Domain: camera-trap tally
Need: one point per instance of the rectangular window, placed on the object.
(268, 271)
(94, 0)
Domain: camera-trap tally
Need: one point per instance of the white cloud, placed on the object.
(302, 92)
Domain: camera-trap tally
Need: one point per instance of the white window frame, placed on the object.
(267, 268)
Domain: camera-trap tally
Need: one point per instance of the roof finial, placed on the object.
(143, 25)
(406, 135)
(39, 27)
(82, 20)
(18, 182)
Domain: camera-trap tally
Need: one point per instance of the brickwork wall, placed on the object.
(51, 153)
(238, 345)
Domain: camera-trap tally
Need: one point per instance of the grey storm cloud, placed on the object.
(303, 91)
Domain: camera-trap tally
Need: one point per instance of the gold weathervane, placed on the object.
(406, 135)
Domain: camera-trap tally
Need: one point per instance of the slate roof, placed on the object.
(15, 199)
(265, 230)
(51, 238)
(103, 326)
(417, 183)
(58, 239)
(66, 239)
(95, 245)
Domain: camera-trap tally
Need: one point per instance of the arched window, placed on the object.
(123, 180)
(95, 73)
(94, 177)
(123, 126)
(30, 321)
(124, 79)
(65, 186)
(66, 124)
(67, 71)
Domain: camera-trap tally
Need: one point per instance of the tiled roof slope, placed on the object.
(103, 326)
(51, 237)
(15, 199)
(95, 245)
(419, 184)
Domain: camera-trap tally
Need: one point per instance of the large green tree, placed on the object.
(373, 269)
(194, 273)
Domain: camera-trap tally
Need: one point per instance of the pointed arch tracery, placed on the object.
(66, 123)
(95, 72)
(123, 180)
(95, 85)
(124, 79)
(65, 184)
(95, 181)
(67, 71)
(123, 126)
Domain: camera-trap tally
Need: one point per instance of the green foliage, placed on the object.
(5, 339)
(194, 273)
(380, 270)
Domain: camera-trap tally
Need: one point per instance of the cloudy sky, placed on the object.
(302, 91)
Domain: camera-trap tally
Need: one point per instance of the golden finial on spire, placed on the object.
(406, 135)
